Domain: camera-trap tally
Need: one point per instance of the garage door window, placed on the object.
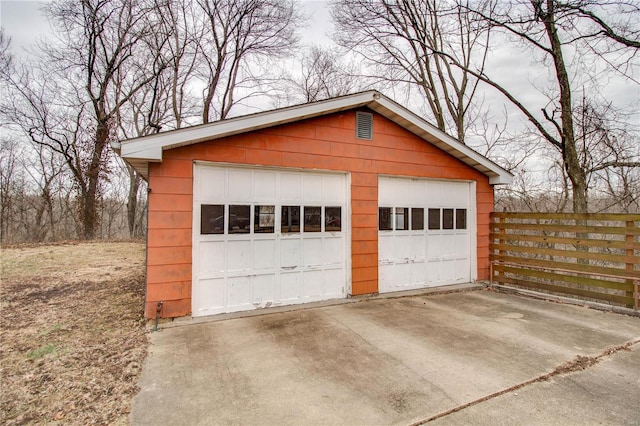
(290, 219)
(434, 218)
(239, 219)
(333, 219)
(264, 219)
(447, 218)
(461, 218)
(417, 219)
(384, 219)
(312, 219)
(402, 218)
(212, 219)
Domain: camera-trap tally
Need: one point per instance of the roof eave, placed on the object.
(148, 145)
(141, 151)
(420, 127)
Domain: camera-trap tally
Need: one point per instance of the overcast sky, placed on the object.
(24, 22)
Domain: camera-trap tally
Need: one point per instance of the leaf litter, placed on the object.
(72, 335)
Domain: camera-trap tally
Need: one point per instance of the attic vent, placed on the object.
(364, 125)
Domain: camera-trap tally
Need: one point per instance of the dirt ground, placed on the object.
(72, 336)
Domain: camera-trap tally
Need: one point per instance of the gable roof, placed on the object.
(139, 152)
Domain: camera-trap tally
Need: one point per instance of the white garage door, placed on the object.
(426, 233)
(265, 237)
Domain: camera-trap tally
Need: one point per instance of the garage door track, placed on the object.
(477, 357)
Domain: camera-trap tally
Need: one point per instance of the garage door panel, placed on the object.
(386, 193)
(447, 247)
(448, 270)
(239, 185)
(461, 266)
(433, 272)
(433, 193)
(212, 258)
(385, 273)
(386, 247)
(264, 255)
(239, 291)
(456, 193)
(402, 274)
(263, 290)
(311, 284)
(291, 187)
(290, 286)
(419, 276)
(238, 256)
(312, 251)
(333, 282)
(434, 248)
(332, 252)
(403, 247)
(209, 290)
(311, 188)
(462, 243)
(264, 186)
(211, 185)
(290, 252)
(418, 247)
(333, 189)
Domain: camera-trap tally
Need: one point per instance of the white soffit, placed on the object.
(140, 151)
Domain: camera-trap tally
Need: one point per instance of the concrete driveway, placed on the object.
(457, 358)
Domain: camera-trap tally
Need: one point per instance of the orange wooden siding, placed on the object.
(325, 143)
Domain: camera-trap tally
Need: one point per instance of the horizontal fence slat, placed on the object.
(614, 230)
(622, 300)
(565, 240)
(573, 267)
(621, 217)
(572, 279)
(575, 254)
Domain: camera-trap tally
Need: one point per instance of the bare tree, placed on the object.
(45, 170)
(6, 57)
(69, 100)
(184, 27)
(609, 153)
(238, 34)
(549, 27)
(10, 183)
(322, 74)
(403, 40)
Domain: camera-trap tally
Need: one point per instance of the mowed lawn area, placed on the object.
(72, 332)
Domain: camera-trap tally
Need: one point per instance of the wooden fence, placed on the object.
(591, 256)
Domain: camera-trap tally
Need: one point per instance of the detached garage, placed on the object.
(349, 196)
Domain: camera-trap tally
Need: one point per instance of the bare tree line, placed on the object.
(120, 69)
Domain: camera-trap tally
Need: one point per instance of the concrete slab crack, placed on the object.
(576, 364)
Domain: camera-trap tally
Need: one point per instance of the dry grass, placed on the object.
(72, 333)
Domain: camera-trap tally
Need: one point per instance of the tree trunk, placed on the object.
(569, 152)
(132, 200)
(89, 206)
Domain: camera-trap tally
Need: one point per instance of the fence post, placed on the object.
(501, 252)
(629, 266)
